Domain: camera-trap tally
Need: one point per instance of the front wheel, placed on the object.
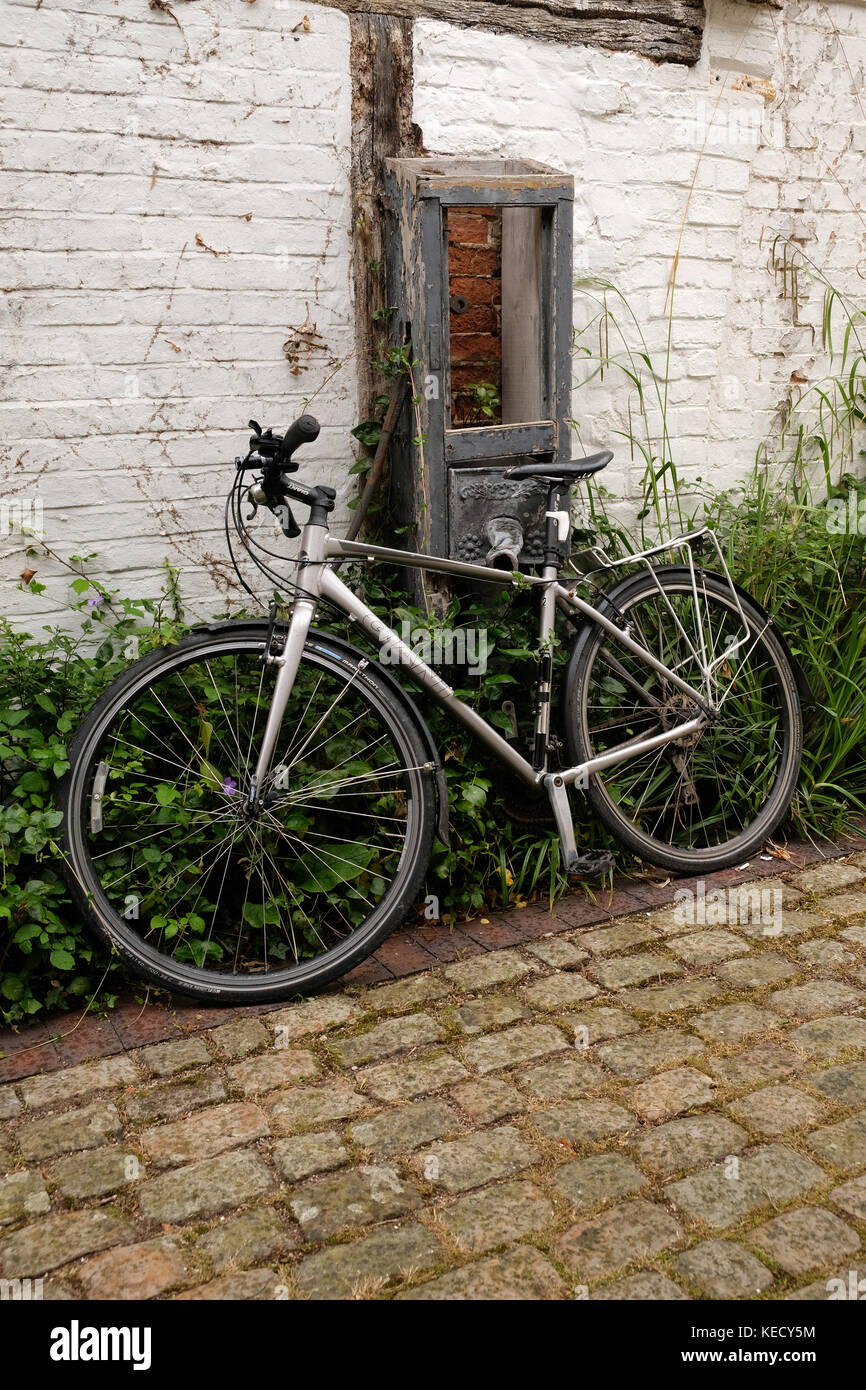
(712, 799)
(200, 896)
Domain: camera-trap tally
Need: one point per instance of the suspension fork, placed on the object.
(308, 579)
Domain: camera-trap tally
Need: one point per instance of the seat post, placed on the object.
(553, 546)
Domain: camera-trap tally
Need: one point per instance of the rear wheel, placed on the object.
(710, 800)
(201, 897)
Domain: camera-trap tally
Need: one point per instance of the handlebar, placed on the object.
(278, 449)
(272, 453)
(303, 431)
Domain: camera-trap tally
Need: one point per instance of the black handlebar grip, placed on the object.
(303, 431)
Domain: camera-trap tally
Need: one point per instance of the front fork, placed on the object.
(288, 662)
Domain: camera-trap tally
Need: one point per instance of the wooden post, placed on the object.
(381, 59)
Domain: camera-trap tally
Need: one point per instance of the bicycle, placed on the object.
(250, 812)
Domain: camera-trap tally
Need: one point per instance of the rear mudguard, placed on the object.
(607, 604)
(336, 646)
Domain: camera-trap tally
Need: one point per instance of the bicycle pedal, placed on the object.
(593, 864)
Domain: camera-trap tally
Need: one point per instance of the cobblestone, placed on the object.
(635, 1057)
(134, 1271)
(254, 1236)
(521, 1274)
(559, 991)
(164, 1059)
(22, 1194)
(583, 1121)
(803, 1240)
(482, 1157)
(204, 1135)
(203, 1189)
(540, 1120)
(394, 1035)
(725, 1193)
(722, 1269)
(309, 1153)
(44, 1245)
(497, 1216)
(406, 1127)
(777, 1109)
(690, 1142)
(569, 1076)
(672, 1092)
(60, 1087)
(624, 1233)
(325, 1206)
(815, 998)
(366, 1266)
(77, 1129)
(488, 1100)
(492, 1011)
(497, 968)
(520, 1044)
(96, 1172)
(400, 1080)
(599, 1178)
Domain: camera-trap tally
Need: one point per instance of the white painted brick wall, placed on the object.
(133, 356)
(632, 132)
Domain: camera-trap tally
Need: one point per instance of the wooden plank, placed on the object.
(522, 358)
(666, 30)
(499, 441)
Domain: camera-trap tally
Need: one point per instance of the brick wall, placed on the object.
(475, 291)
(178, 248)
(634, 134)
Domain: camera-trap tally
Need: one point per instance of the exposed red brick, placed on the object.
(469, 228)
(478, 318)
(447, 945)
(474, 260)
(193, 1016)
(476, 290)
(402, 955)
(498, 931)
(574, 910)
(27, 1052)
(91, 1037)
(369, 972)
(475, 347)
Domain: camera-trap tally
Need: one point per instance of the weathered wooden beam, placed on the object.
(382, 127)
(666, 30)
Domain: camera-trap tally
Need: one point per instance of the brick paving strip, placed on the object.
(607, 1101)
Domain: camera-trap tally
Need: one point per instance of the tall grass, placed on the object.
(794, 532)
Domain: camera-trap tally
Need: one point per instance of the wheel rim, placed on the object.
(708, 791)
(175, 867)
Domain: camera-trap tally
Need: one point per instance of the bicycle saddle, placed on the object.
(577, 468)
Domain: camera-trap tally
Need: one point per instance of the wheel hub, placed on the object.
(680, 709)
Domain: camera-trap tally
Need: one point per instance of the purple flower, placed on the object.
(94, 602)
(229, 787)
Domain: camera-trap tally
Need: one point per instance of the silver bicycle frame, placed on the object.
(316, 578)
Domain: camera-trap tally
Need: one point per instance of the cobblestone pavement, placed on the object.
(649, 1108)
